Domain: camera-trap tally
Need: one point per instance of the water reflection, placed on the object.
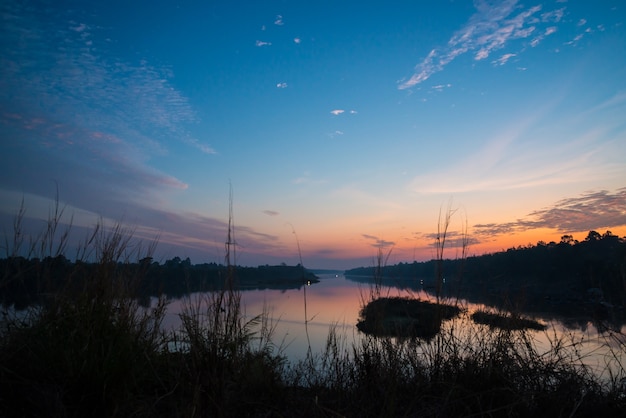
(336, 301)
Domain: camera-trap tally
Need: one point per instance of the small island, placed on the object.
(506, 321)
(404, 317)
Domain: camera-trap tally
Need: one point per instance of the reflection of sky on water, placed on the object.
(336, 301)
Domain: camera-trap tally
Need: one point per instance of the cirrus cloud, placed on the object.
(490, 28)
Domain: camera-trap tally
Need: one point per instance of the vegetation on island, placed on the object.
(404, 317)
(509, 321)
(91, 349)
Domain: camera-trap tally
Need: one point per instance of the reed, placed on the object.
(87, 347)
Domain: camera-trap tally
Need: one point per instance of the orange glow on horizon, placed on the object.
(423, 250)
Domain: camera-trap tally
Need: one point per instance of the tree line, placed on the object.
(29, 281)
(569, 269)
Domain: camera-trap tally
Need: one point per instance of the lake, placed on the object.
(336, 301)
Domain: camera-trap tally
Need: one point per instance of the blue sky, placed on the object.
(350, 124)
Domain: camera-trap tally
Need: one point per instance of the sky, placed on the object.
(339, 128)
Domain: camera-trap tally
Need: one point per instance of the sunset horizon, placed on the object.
(340, 130)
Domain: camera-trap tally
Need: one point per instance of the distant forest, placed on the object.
(592, 270)
(539, 276)
(27, 281)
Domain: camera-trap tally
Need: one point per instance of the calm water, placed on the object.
(336, 301)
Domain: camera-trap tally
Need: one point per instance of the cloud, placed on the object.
(575, 40)
(593, 210)
(454, 239)
(281, 85)
(84, 117)
(549, 31)
(92, 88)
(279, 20)
(338, 112)
(490, 28)
(554, 16)
(262, 43)
(297, 40)
(502, 166)
(271, 212)
(516, 158)
(207, 149)
(503, 59)
(80, 28)
(178, 233)
(378, 242)
(307, 179)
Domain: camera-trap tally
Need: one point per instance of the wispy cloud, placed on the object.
(503, 59)
(594, 210)
(338, 112)
(454, 239)
(378, 242)
(511, 160)
(297, 40)
(306, 178)
(553, 16)
(86, 118)
(492, 27)
(279, 20)
(575, 39)
(262, 43)
(282, 85)
(87, 83)
(549, 31)
(271, 212)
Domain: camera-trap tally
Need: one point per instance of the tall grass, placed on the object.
(478, 372)
(228, 362)
(86, 348)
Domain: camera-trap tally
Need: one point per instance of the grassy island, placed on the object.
(404, 317)
(506, 321)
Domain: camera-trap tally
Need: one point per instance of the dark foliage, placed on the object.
(506, 321)
(404, 317)
(568, 277)
(28, 281)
